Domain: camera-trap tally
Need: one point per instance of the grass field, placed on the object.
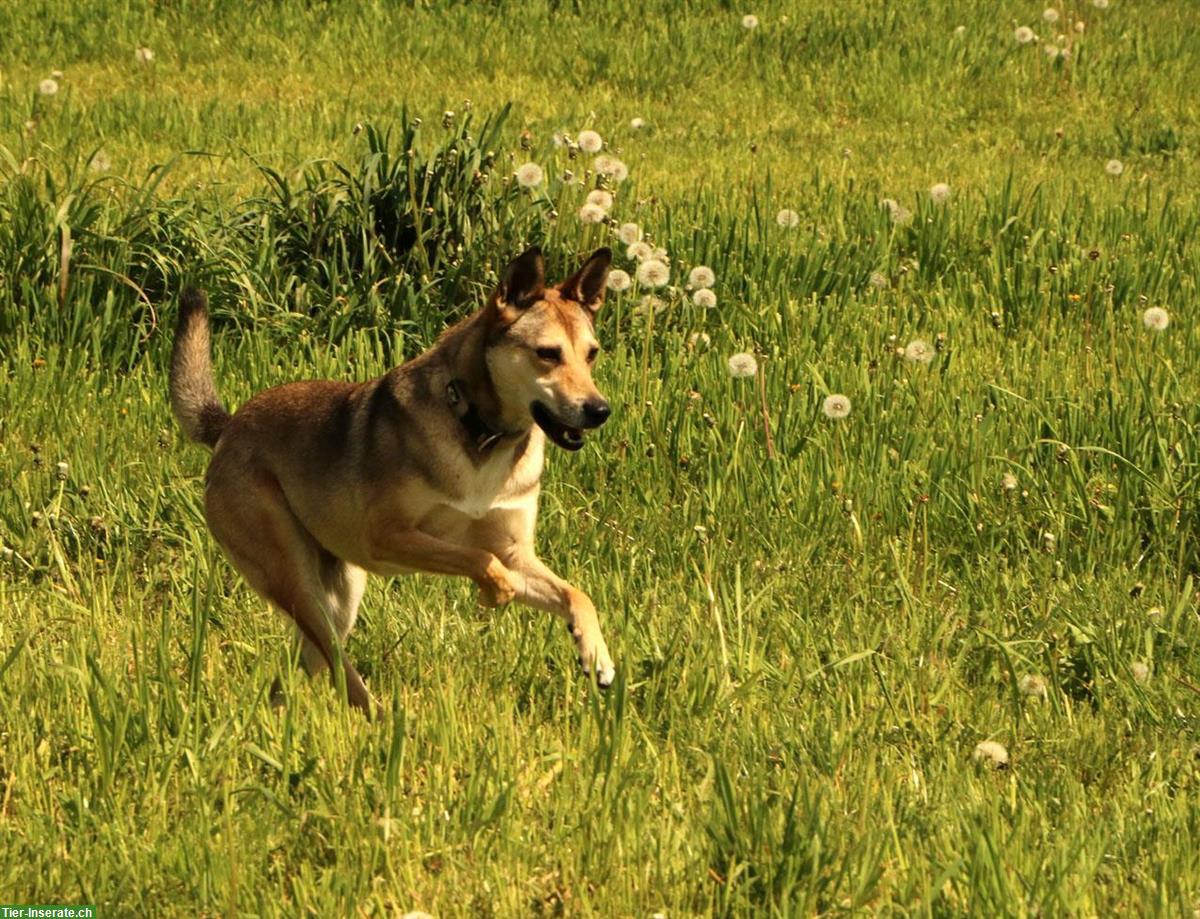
(816, 620)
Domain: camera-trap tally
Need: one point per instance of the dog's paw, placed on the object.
(499, 586)
(594, 658)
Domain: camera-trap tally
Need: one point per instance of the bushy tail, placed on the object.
(194, 398)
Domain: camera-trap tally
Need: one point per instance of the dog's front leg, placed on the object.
(543, 589)
(412, 550)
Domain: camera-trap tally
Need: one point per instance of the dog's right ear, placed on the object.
(524, 281)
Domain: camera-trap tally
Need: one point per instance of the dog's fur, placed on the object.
(433, 467)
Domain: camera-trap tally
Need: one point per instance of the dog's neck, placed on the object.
(470, 392)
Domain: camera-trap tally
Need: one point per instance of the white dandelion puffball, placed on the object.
(939, 192)
(144, 55)
(788, 219)
(704, 298)
(629, 233)
(637, 123)
(1080, 26)
(592, 213)
(1008, 482)
(590, 142)
(600, 198)
(100, 162)
(701, 276)
(991, 754)
(1023, 35)
(836, 406)
(1156, 319)
(1114, 167)
(918, 351)
(1140, 671)
(749, 21)
(879, 280)
(742, 366)
(960, 31)
(611, 167)
(530, 175)
(1050, 14)
(653, 273)
(1033, 686)
(896, 211)
(558, 138)
(48, 87)
(640, 251)
(699, 340)
(1051, 50)
(1100, 4)
(659, 253)
(619, 280)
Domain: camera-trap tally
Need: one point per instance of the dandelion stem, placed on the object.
(762, 391)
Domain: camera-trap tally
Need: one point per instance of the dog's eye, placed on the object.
(550, 355)
(593, 352)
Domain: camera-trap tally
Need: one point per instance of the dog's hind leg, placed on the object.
(279, 558)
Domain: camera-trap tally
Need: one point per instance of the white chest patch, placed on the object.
(498, 483)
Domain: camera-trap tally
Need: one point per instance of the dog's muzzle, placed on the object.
(570, 437)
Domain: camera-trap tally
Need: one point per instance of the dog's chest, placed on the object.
(498, 482)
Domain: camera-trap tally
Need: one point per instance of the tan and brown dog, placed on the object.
(433, 467)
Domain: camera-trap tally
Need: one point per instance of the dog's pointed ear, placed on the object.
(523, 282)
(587, 285)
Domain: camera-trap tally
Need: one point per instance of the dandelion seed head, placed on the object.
(1100, 4)
(1050, 14)
(699, 341)
(918, 351)
(991, 754)
(1051, 50)
(1023, 34)
(653, 273)
(1156, 319)
(529, 175)
(48, 86)
(639, 250)
(742, 365)
(143, 55)
(704, 298)
(619, 280)
(1114, 167)
(1033, 686)
(836, 406)
(592, 213)
(590, 141)
(611, 167)
(896, 211)
(1140, 672)
(788, 219)
(749, 21)
(659, 253)
(879, 280)
(558, 138)
(1008, 482)
(1080, 26)
(629, 233)
(600, 198)
(100, 162)
(960, 31)
(637, 123)
(939, 192)
(61, 470)
(701, 276)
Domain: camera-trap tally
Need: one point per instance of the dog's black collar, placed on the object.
(482, 434)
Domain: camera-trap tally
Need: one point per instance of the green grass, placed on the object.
(812, 639)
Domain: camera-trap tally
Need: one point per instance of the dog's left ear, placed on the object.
(587, 285)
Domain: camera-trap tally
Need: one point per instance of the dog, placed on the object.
(433, 467)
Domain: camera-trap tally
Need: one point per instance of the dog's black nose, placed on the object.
(596, 412)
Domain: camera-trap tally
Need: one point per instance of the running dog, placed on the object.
(433, 467)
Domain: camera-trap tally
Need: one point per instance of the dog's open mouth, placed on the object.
(567, 437)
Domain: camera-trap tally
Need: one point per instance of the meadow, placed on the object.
(927, 649)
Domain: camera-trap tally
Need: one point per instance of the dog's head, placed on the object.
(542, 345)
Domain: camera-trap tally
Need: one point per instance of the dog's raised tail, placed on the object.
(194, 398)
